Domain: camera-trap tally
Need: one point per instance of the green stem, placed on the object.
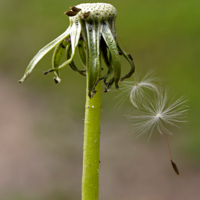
(90, 177)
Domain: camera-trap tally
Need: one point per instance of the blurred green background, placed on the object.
(41, 123)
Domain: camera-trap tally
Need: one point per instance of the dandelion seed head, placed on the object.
(97, 10)
(92, 31)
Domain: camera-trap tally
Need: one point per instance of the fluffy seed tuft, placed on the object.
(158, 114)
(137, 90)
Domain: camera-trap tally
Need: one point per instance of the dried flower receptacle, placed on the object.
(92, 30)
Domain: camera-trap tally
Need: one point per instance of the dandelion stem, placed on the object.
(90, 176)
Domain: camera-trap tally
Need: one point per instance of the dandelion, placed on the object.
(92, 30)
(159, 114)
(137, 90)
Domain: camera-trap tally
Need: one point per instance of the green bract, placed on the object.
(92, 30)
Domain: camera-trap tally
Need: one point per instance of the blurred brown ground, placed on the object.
(129, 169)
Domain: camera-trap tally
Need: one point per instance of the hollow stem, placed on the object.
(90, 176)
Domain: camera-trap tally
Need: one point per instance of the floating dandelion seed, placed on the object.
(92, 30)
(158, 114)
(137, 90)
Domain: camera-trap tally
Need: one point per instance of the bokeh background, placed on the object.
(41, 123)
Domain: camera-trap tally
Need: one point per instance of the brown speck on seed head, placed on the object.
(75, 9)
(70, 13)
(85, 15)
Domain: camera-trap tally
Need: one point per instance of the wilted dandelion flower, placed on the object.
(137, 90)
(158, 114)
(92, 30)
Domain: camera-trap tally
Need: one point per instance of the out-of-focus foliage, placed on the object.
(160, 35)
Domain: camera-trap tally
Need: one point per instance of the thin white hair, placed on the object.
(136, 90)
(158, 113)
